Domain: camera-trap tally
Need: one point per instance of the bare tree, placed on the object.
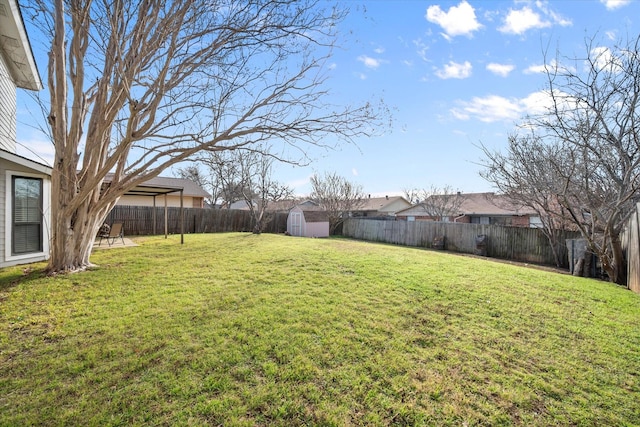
(441, 203)
(412, 194)
(530, 174)
(222, 177)
(337, 196)
(593, 124)
(193, 173)
(259, 189)
(138, 86)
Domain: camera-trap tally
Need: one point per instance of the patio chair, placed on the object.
(113, 234)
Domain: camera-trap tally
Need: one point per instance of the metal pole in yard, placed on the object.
(166, 219)
(181, 217)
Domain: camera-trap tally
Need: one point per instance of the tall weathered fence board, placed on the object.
(139, 220)
(631, 244)
(512, 243)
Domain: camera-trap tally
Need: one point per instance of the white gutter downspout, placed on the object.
(459, 217)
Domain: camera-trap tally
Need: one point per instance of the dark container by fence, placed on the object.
(481, 245)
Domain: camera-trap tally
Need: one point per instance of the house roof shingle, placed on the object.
(378, 203)
(486, 204)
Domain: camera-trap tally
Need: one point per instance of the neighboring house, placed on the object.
(381, 206)
(479, 208)
(153, 190)
(308, 220)
(279, 206)
(25, 185)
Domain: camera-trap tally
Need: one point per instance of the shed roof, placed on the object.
(315, 216)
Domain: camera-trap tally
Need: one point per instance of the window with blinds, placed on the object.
(27, 215)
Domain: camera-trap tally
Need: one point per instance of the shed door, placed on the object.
(296, 223)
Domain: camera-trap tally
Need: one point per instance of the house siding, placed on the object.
(7, 109)
(173, 201)
(395, 206)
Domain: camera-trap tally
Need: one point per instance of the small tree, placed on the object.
(412, 194)
(259, 188)
(193, 173)
(224, 177)
(441, 203)
(589, 139)
(529, 174)
(337, 196)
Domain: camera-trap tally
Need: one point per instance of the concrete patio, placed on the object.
(116, 244)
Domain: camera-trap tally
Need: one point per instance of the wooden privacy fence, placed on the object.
(511, 243)
(139, 220)
(631, 244)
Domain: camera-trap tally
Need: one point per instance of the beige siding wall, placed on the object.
(7, 109)
(172, 201)
(395, 207)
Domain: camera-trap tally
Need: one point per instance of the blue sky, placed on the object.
(455, 73)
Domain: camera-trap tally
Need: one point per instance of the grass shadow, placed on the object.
(13, 276)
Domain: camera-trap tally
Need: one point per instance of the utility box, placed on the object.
(438, 243)
(581, 261)
(481, 245)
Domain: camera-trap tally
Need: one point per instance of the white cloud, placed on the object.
(370, 62)
(602, 57)
(460, 114)
(458, 21)
(453, 70)
(379, 50)
(536, 69)
(614, 4)
(521, 20)
(555, 17)
(502, 70)
(422, 49)
(536, 103)
(494, 108)
(354, 172)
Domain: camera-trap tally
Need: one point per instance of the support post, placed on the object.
(166, 217)
(181, 217)
(153, 215)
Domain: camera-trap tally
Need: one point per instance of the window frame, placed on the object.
(15, 225)
(9, 257)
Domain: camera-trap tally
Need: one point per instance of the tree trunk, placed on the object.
(71, 247)
(73, 231)
(619, 263)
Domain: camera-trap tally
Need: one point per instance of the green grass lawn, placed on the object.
(238, 329)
